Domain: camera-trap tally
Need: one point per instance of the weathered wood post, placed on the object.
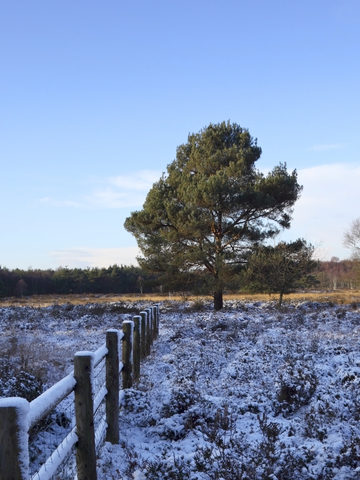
(14, 452)
(151, 314)
(157, 319)
(112, 386)
(143, 316)
(136, 347)
(128, 327)
(84, 413)
(155, 322)
(148, 331)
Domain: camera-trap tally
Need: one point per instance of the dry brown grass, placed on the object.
(341, 297)
(338, 296)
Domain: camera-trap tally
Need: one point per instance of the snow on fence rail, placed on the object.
(18, 416)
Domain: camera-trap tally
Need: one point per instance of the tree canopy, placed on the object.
(281, 268)
(199, 220)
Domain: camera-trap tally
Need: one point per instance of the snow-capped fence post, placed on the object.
(84, 413)
(136, 347)
(14, 454)
(143, 316)
(127, 327)
(18, 416)
(112, 386)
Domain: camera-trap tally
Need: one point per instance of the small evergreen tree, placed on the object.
(281, 269)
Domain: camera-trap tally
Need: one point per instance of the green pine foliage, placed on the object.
(200, 219)
(281, 269)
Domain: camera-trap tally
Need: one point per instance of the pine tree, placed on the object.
(200, 219)
(281, 269)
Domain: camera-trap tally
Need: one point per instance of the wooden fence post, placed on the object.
(157, 319)
(143, 316)
(151, 325)
(136, 347)
(155, 322)
(127, 327)
(84, 412)
(112, 386)
(14, 453)
(148, 331)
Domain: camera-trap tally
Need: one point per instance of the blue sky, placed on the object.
(96, 96)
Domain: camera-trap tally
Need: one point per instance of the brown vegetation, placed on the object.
(336, 296)
(338, 274)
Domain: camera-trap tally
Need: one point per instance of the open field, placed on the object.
(340, 297)
(247, 393)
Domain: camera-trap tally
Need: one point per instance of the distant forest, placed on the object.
(338, 274)
(115, 279)
(331, 275)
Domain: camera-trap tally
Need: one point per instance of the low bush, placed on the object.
(297, 384)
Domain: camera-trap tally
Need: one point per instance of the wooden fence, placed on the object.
(18, 416)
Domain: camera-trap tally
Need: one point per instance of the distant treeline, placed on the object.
(337, 274)
(115, 279)
(331, 275)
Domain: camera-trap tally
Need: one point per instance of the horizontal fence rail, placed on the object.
(18, 417)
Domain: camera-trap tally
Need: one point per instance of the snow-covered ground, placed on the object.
(245, 393)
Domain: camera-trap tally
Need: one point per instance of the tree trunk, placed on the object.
(280, 299)
(218, 300)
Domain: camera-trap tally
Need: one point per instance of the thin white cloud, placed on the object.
(94, 257)
(330, 200)
(328, 146)
(59, 203)
(111, 198)
(142, 180)
(122, 191)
